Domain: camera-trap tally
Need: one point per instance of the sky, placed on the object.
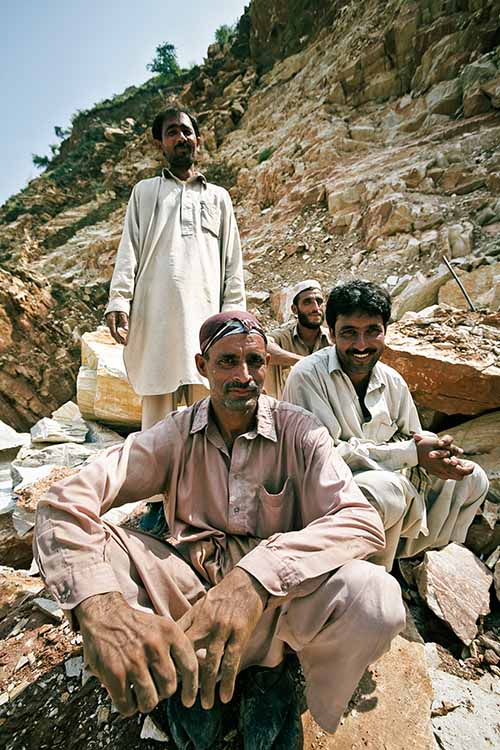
(59, 56)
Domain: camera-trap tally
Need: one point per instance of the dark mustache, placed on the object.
(252, 387)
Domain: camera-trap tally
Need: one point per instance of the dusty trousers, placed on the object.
(338, 623)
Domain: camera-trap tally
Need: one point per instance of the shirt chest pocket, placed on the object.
(210, 218)
(275, 511)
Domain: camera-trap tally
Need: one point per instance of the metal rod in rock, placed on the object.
(462, 288)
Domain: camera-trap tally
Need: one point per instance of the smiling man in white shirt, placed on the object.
(427, 496)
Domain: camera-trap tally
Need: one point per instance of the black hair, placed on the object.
(165, 114)
(357, 296)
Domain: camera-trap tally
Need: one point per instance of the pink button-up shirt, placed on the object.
(281, 504)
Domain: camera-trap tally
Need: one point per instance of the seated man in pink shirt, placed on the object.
(269, 536)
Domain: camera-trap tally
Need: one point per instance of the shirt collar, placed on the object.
(265, 422)
(334, 366)
(168, 175)
(323, 333)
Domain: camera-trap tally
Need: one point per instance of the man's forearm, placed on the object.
(281, 356)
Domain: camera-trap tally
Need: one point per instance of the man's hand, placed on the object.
(222, 623)
(117, 323)
(440, 457)
(136, 655)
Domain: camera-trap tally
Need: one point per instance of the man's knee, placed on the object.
(383, 490)
(374, 597)
(476, 485)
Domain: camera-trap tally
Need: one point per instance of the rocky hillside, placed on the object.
(355, 138)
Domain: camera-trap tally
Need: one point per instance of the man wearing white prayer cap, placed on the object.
(299, 337)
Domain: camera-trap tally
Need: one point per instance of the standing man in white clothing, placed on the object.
(426, 494)
(179, 261)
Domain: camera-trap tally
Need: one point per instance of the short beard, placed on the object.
(183, 161)
(304, 321)
(240, 404)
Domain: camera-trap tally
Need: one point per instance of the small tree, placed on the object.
(40, 162)
(165, 61)
(61, 133)
(225, 33)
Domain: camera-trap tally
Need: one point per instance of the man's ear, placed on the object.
(201, 364)
(332, 334)
(158, 144)
(295, 309)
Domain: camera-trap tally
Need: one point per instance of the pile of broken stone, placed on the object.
(440, 683)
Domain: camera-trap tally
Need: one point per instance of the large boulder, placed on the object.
(480, 439)
(447, 357)
(481, 284)
(420, 292)
(103, 390)
(455, 584)
(390, 709)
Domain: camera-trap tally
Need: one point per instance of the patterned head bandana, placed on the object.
(226, 324)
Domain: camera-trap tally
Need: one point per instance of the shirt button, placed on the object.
(236, 510)
(285, 586)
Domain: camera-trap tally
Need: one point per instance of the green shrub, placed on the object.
(225, 33)
(265, 154)
(165, 61)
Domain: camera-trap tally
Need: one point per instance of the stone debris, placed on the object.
(493, 559)
(150, 731)
(449, 358)
(28, 496)
(455, 585)
(73, 667)
(66, 426)
(463, 711)
(50, 608)
(103, 713)
(21, 663)
(10, 439)
(103, 391)
(15, 587)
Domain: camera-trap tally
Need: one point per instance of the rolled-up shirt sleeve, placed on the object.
(339, 524)
(70, 536)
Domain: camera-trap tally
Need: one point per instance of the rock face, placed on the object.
(448, 358)
(391, 708)
(103, 391)
(357, 138)
(455, 584)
